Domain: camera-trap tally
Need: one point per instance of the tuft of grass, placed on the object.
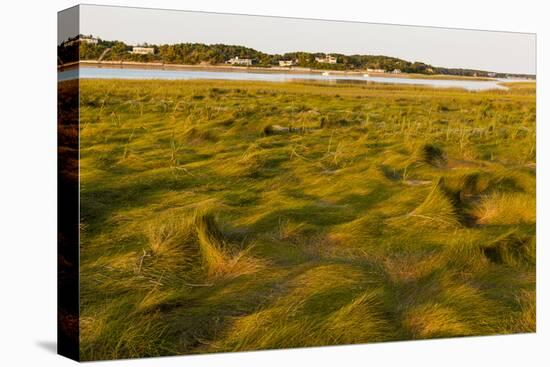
(298, 318)
(195, 241)
(165, 236)
(289, 231)
(434, 155)
(506, 209)
(363, 320)
(169, 248)
(249, 164)
(511, 249)
(528, 315)
(214, 253)
(220, 259)
(434, 320)
(436, 210)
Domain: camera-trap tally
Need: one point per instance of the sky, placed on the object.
(484, 50)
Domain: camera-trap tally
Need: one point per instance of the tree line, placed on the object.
(198, 53)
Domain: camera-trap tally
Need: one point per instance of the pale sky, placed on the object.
(485, 50)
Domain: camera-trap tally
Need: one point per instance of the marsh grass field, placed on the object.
(230, 216)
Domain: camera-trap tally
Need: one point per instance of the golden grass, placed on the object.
(506, 208)
(292, 319)
(434, 320)
(397, 213)
(360, 321)
(437, 209)
(528, 317)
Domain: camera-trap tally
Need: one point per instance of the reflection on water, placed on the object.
(119, 73)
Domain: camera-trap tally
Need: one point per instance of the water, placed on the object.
(119, 73)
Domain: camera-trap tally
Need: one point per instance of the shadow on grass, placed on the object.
(99, 202)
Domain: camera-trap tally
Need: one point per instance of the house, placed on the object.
(143, 50)
(491, 75)
(328, 59)
(376, 70)
(88, 39)
(238, 61)
(81, 39)
(286, 62)
(396, 71)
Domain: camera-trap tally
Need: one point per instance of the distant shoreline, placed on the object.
(254, 69)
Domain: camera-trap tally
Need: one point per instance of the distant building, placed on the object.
(286, 62)
(376, 70)
(491, 75)
(396, 71)
(90, 40)
(237, 61)
(143, 50)
(328, 59)
(81, 39)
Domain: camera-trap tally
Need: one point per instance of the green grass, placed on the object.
(388, 213)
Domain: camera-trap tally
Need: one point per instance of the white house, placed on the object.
(90, 40)
(286, 62)
(376, 70)
(328, 59)
(143, 50)
(396, 71)
(81, 39)
(237, 61)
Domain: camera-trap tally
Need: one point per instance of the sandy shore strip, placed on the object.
(250, 69)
